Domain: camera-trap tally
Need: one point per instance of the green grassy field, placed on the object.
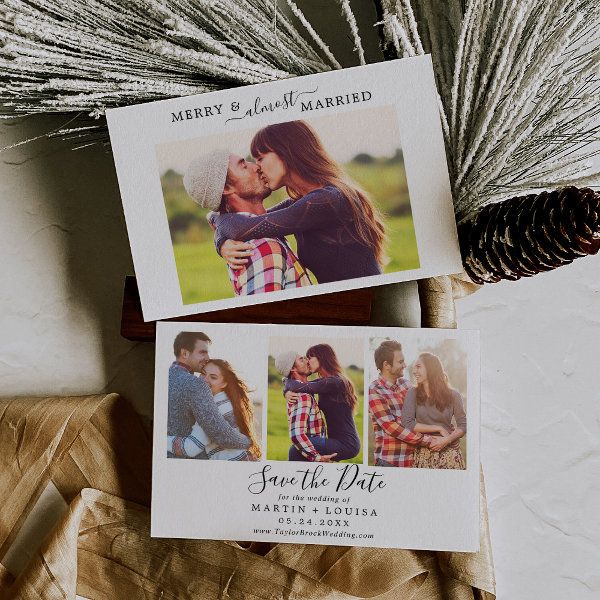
(385, 183)
(278, 438)
(203, 273)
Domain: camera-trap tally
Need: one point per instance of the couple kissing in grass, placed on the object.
(320, 411)
(339, 232)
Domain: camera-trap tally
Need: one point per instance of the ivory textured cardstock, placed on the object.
(310, 434)
(309, 185)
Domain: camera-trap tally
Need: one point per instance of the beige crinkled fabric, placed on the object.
(437, 296)
(102, 548)
(98, 454)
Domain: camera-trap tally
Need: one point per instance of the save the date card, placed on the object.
(301, 186)
(321, 435)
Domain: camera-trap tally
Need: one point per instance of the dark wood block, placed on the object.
(339, 308)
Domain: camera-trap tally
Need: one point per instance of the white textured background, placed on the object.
(540, 345)
(64, 256)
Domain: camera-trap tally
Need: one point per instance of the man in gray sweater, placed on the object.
(190, 398)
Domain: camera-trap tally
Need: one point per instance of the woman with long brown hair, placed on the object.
(231, 395)
(337, 399)
(339, 232)
(430, 408)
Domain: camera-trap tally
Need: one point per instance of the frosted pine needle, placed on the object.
(349, 16)
(83, 56)
(519, 82)
(313, 34)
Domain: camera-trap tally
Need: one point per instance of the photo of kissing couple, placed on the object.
(211, 413)
(423, 424)
(315, 411)
(289, 205)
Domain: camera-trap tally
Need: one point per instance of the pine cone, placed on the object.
(530, 234)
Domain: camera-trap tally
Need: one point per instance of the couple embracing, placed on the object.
(323, 429)
(415, 426)
(210, 412)
(338, 230)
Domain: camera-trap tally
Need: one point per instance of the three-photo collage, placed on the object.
(393, 401)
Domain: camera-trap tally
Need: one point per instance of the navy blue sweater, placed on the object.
(323, 223)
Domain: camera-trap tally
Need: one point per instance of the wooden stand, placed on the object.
(339, 308)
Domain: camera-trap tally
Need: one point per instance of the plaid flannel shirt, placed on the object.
(272, 266)
(305, 419)
(394, 444)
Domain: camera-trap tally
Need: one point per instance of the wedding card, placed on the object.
(320, 435)
(314, 184)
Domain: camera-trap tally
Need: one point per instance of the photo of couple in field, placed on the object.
(420, 423)
(288, 205)
(316, 400)
(212, 412)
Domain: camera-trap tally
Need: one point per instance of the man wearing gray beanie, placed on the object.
(305, 420)
(224, 182)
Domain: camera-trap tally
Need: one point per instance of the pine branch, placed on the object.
(519, 87)
(83, 56)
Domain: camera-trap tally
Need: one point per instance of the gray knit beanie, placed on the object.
(284, 362)
(205, 177)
